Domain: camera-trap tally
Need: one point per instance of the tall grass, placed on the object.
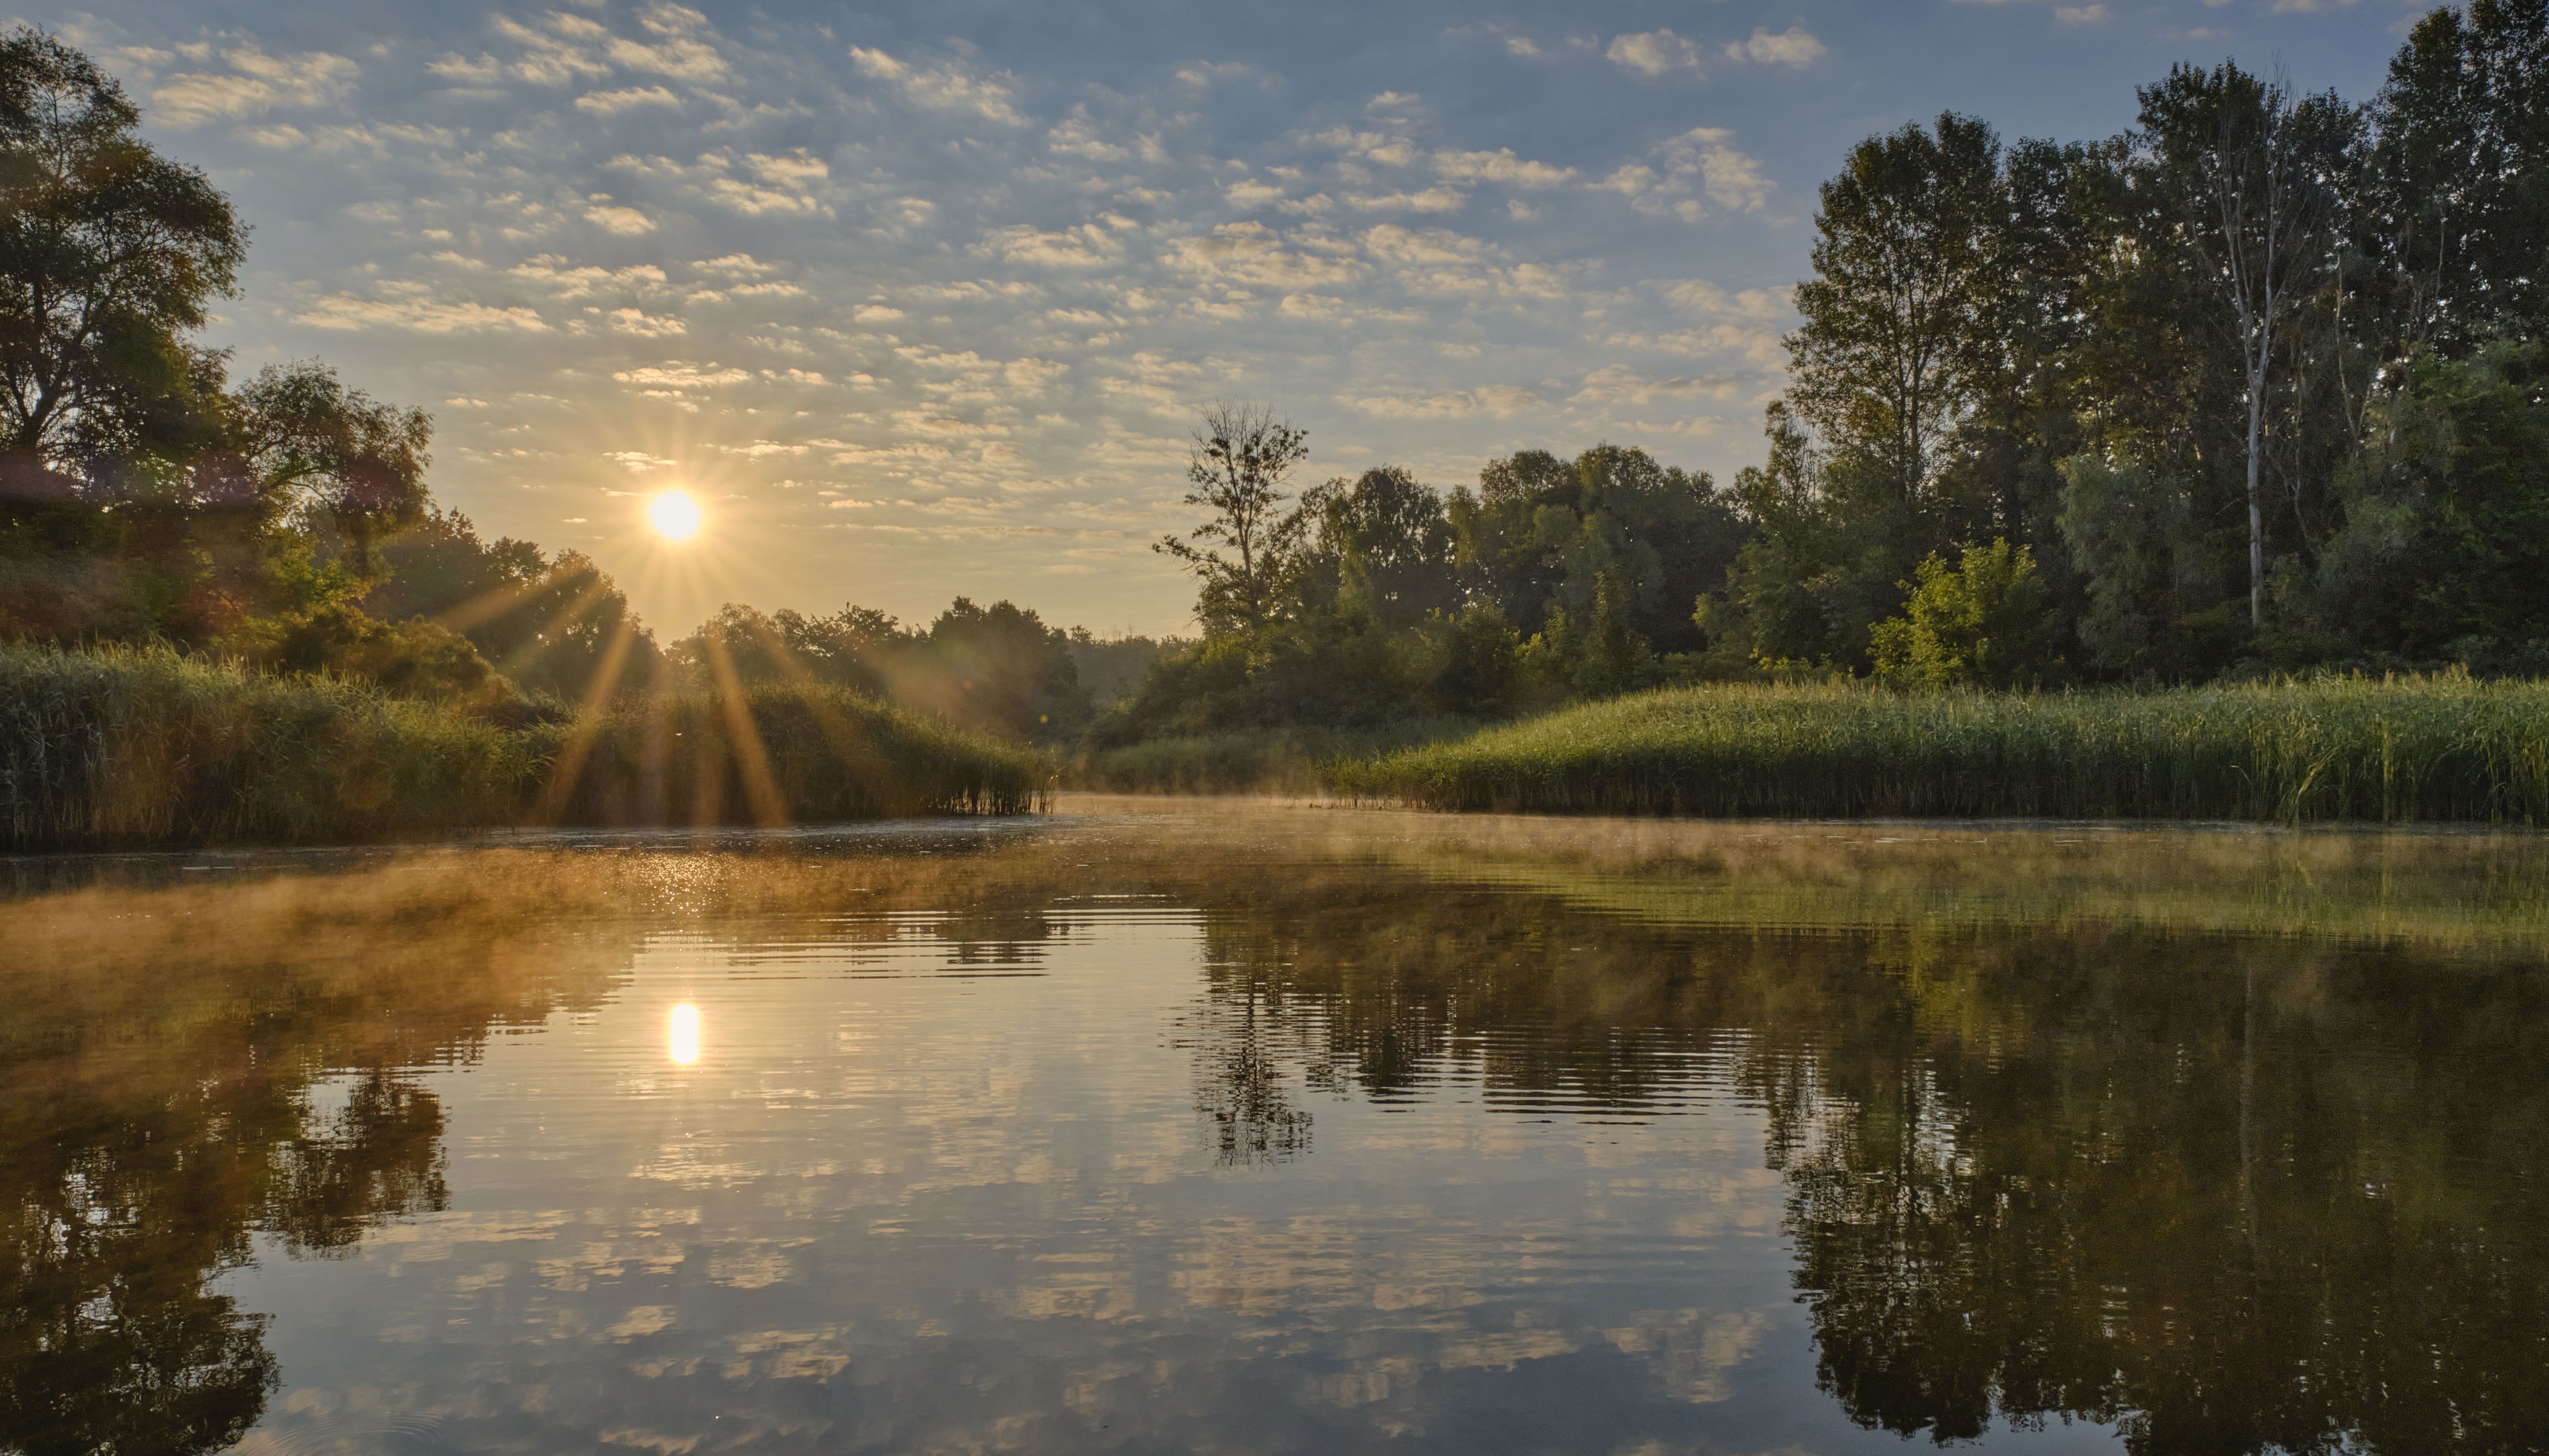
(1268, 760)
(123, 747)
(2427, 749)
(785, 754)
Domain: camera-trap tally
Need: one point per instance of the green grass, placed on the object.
(1295, 761)
(124, 748)
(2438, 749)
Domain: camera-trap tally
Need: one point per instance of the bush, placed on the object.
(1981, 623)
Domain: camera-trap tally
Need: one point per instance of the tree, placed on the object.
(1894, 345)
(2456, 185)
(110, 255)
(1385, 544)
(1977, 625)
(314, 446)
(1241, 456)
(2253, 169)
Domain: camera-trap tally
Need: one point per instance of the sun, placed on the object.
(674, 515)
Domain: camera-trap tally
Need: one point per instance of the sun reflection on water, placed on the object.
(685, 1036)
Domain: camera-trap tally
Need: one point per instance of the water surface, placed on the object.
(1206, 1126)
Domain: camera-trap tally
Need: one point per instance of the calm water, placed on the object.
(1211, 1128)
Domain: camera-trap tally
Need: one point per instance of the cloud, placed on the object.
(1501, 401)
(677, 50)
(1653, 52)
(1430, 200)
(2085, 15)
(410, 307)
(1701, 166)
(563, 279)
(1793, 47)
(945, 88)
(1076, 135)
(645, 324)
(1500, 165)
(1702, 297)
(626, 221)
(679, 375)
(255, 83)
(1085, 246)
(1614, 384)
(1252, 254)
(612, 103)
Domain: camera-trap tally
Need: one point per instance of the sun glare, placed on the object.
(676, 516)
(685, 1036)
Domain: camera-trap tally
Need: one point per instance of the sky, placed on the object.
(921, 300)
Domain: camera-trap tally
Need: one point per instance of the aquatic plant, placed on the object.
(131, 747)
(2438, 748)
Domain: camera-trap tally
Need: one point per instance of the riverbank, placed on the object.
(2434, 749)
(131, 748)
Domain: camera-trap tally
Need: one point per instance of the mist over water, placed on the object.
(1184, 1126)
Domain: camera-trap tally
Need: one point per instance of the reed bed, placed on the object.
(1290, 761)
(780, 754)
(2430, 748)
(137, 748)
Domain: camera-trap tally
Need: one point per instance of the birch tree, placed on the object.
(2251, 169)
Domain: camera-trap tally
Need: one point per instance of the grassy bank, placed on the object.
(2433, 749)
(128, 748)
(1274, 760)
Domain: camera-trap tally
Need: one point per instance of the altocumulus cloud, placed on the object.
(802, 256)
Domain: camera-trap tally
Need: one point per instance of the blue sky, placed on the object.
(921, 300)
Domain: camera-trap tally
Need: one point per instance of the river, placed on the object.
(1176, 1125)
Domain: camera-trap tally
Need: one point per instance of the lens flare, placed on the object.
(676, 516)
(685, 1038)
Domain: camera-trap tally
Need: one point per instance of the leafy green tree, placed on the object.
(560, 627)
(1907, 262)
(1977, 625)
(109, 257)
(2126, 526)
(332, 453)
(2444, 551)
(1242, 457)
(2455, 187)
(1540, 533)
(2251, 171)
(1381, 543)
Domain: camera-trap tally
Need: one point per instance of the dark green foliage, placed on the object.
(997, 669)
(558, 628)
(2443, 551)
(2455, 187)
(2178, 367)
(2437, 749)
(1378, 544)
(109, 257)
(127, 747)
(1112, 667)
(1542, 532)
(773, 754)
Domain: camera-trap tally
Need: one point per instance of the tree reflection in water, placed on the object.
(2232, 1194)
(2158, 1152)
(152, 1120)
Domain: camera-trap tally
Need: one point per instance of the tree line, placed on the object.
(285, 519)
(2255, 386)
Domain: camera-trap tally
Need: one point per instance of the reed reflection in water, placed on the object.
(1177, 1126)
